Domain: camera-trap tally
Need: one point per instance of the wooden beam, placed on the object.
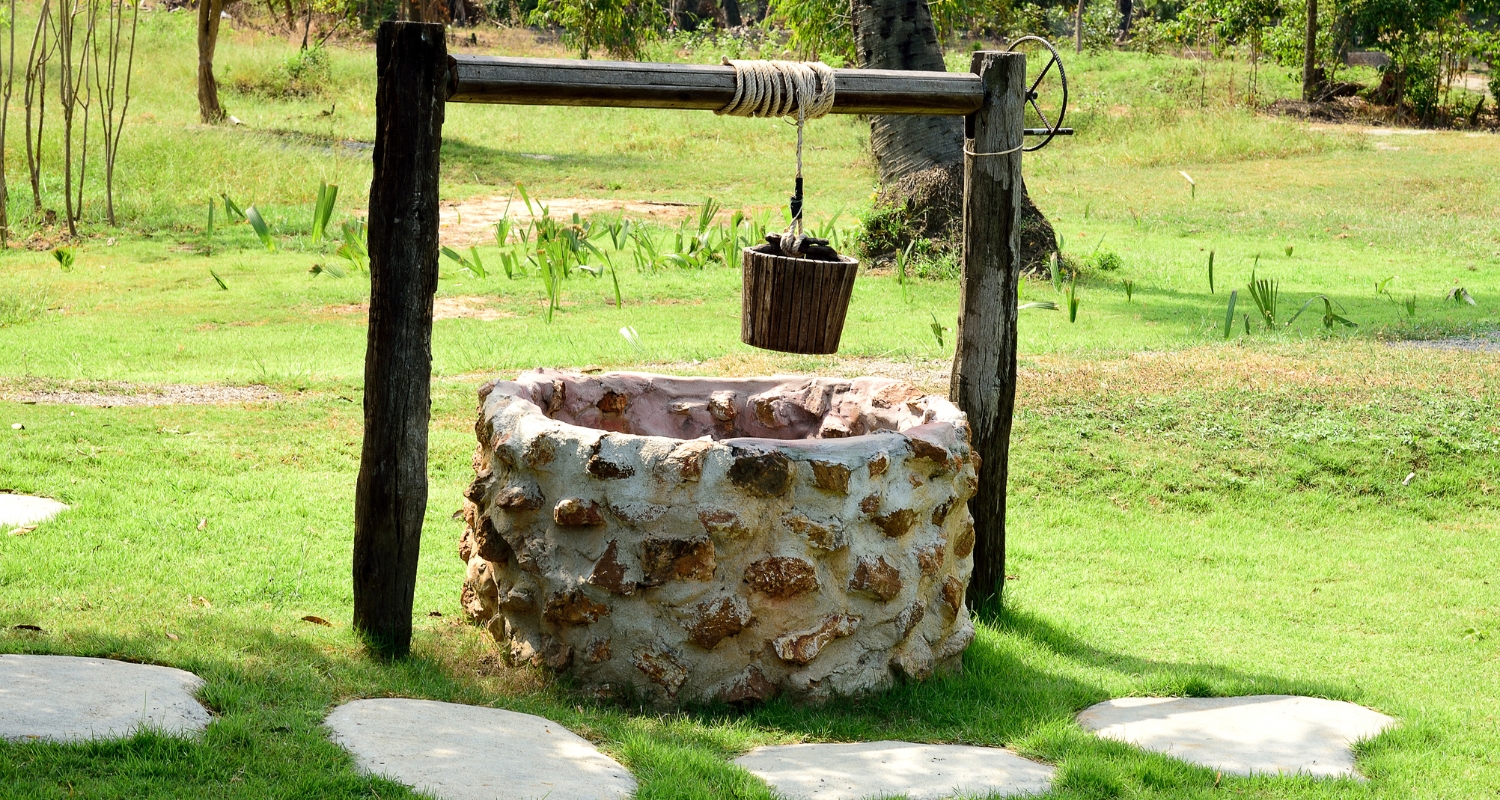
(390, 500)
(984, 367)
(562, 82)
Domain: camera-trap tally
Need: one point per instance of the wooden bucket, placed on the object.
(794, 305)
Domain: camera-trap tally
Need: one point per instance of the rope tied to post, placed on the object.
(777, 89)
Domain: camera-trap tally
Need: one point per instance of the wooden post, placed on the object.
(390, 499)
(984, 368)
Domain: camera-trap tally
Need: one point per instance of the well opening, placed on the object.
(721, 540)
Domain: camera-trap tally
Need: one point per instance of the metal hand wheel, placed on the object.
(1038, 85)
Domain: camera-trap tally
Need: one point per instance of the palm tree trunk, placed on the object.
(920, 159)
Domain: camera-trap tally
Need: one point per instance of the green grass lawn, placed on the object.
(1188, 515)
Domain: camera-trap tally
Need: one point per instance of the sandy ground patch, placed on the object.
(442, 308)
(472, 221)
(109, 394)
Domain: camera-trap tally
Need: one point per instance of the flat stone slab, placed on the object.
(1262, 734)
(884, 769)
(68, 699)
(18, 510)
(459, 752)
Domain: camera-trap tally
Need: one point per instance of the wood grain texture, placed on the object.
(984, 367)
(390, 498)
(795, 305)
(544, 81)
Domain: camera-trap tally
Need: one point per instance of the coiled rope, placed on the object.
(778, 89)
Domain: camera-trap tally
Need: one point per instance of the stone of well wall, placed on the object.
(687, 540)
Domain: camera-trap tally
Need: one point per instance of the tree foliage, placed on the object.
(620, 27)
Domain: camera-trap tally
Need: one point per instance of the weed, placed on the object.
(1129, 290)
(64, 257)
(1460, 295)
(1229, 315)
(323, 210)
(222, 285)
(1192, 184)
(1264, 292)
(1211, 272)
(1073, 299)
(252, 215)
(1055, 269)
(353, 248)
(937, 330)
(1107, 261)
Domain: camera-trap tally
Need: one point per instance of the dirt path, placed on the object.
(110, 394)
(472, 221)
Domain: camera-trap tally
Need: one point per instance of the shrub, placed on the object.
(305, 73)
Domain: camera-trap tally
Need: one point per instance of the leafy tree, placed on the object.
(620, 27)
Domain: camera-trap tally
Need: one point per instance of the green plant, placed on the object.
(1192, 184)
(1460, 295)
(1129, 290)
(903, 258)
(232, 210)
(64, 257)
(1073, 299)
(252, 215)
(1330, 318)
(472, 264)
(1288, 251)
(323, 210)
(1055, 270)
(209, 231)
(22, 304)
(1229, 315)
(1211, 272)
(328, 269)
(937, 330)
(1264, 292)
(353, 248)
(1411, 306)
(1107, 261)
(222, 285)
(620, 27)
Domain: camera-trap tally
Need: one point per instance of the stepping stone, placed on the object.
(883, 769)
(19, 510)
(67, 699)
(1264, 734)
(458, 752)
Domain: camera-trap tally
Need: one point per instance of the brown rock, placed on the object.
(956, 643)
(877, 577)
(726, 524)
(896, 523)
(576, 511)
(557, 654)
(802, 647)
(953, 594)
(940, 514)
(831, 477)
(663, 668)
(665, 560)
(870, 504)
(749, 686)
(555, 399)
(914, 479)
(717, 620)
(597, 650)
(829, 536)
(721, 406)
(613, 403)
(761, 474)
(878, 464)
(963, 543)
(573, 607)
(765, 410)
(894, 395)
(490, 545)
(539, 453)
(520, 497)
(466, 545)
(518, 599)
(609, 573)
(833, 428)
(930, 559)
(686, 459)
(782, 576)
(480, 486)
(928, 451)
(608, 470)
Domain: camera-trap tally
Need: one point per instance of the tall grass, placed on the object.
(22, 304)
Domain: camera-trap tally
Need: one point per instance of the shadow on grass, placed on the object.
(1024, 679)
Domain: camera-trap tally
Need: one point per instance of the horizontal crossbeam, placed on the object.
(564, 82)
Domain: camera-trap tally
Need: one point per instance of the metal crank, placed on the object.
(1049, 129)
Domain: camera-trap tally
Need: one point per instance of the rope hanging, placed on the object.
(777, 89)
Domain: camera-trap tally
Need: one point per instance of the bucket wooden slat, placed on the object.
(794, 305)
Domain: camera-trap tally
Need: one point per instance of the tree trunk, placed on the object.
(1078, 26)
(732, 16)
(1127, 13)
(1310, 78)
(209, 110)
(920, 159)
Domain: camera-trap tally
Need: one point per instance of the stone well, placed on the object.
(697, 540)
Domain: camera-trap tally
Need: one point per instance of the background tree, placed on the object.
(209, 14)
(621, 27)
(920, 159)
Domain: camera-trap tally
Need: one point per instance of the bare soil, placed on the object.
(109, 394)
